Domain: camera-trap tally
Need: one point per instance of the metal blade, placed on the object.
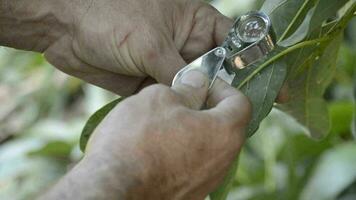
(209, 64)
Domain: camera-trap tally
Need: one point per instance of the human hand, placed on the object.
(115, 44)
(159, 145)
(119, 44)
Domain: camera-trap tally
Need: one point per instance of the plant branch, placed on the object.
(281, 54)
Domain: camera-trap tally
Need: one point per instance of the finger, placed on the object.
(192, 88)
(163, 66)
(222, 26)
(69, 63)
(209, 30)
(229, 104)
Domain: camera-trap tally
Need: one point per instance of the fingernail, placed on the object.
(194, 79)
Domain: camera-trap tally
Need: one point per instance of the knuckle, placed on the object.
(205, 11)
(158, 93)
(154, 90)
(237, 111)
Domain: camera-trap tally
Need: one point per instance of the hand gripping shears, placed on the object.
(250, 39)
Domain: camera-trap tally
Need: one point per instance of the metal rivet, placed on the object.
(220, 52)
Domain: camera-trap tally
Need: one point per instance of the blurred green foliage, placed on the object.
(42, 112)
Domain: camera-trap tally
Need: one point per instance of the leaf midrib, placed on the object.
(294, 20)
(267, 86)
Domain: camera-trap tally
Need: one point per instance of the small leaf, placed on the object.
(56, 149)
(94, 121)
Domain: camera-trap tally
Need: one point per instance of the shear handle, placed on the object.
(209, 64)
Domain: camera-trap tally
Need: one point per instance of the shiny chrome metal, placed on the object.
(252, 53)
(210, 63)
(225, 76)
(250, 39)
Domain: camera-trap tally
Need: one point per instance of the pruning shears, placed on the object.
(250, 39)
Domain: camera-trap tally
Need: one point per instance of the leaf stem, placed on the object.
(281, 54)
(294, 20)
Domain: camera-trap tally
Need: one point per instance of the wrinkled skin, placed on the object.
(128, 41)
(156, 144)
(119, 45)
(159, 145)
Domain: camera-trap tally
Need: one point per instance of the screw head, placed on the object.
(220, 52)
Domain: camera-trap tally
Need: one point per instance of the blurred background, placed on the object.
(42, 112)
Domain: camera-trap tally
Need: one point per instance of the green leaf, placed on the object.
(56, 149)
(307, 88)
(334, 173)
(263, 90)
(353, 124)
(301, 32)
(94, 121)
(341, 117)
(286, 15)
(310, 66)
(310, 72)
(314, 20)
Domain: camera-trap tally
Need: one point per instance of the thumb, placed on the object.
(163, 66)
(192, 88)
(229, 104)
(222, 26)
